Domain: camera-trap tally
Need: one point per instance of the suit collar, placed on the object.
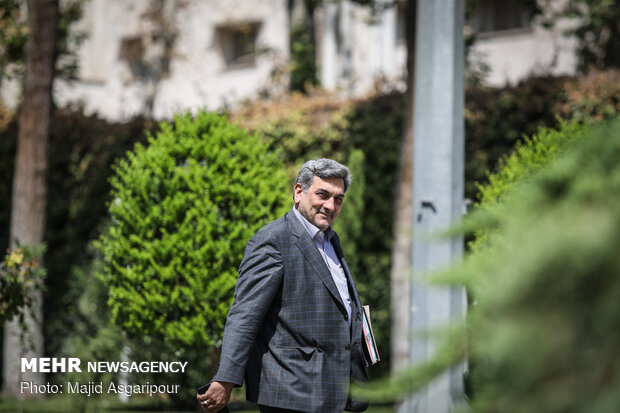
(311, 253)
(310, 228)
(293, 224)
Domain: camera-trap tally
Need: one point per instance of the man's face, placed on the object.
(322, 203)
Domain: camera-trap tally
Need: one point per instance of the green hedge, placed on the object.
(183, 208)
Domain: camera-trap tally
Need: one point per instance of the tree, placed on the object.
(403, 215)
(302, 44)
(156, 49)
(596, 28)
(184, 208)
(29, 179)
(597, 32)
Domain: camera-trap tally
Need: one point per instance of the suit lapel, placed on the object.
(356, 310)
(347, 271)
(311, 253)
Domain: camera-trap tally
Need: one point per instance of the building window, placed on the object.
(491, 16)
(132, 53)
(238, 43)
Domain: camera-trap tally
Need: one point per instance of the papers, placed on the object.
(371, 354)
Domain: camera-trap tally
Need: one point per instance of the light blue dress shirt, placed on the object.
(322, 240)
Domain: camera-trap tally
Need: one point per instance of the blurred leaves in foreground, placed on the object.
(543, 331)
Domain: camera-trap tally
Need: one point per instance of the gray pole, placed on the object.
(437, 189)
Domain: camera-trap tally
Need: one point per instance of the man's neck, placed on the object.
(309, 226)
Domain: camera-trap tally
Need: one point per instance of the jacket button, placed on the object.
(346, 317)
(347, 347)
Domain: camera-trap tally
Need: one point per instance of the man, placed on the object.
(294, 330)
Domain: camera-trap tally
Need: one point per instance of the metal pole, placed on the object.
(438, 189)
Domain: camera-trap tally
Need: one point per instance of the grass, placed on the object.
(63, 404)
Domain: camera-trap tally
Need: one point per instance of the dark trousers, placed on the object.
(269, 409)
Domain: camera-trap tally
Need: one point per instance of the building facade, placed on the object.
(159, 57)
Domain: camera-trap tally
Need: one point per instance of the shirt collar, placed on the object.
(314, 231)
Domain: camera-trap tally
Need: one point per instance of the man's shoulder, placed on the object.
(279, 226)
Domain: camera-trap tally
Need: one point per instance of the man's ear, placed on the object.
(297, 190)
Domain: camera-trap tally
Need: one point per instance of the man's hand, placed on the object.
(216, 397)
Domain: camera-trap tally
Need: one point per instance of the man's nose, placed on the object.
(329, 204)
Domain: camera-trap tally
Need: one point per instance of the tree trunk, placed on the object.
(401, 252)
(29, 179)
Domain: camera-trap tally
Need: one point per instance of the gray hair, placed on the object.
(324, 169)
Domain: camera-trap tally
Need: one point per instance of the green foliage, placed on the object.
(595, 24)
(594, 97)
(97, 338)
(542, 334)
(300, 127)
(8, 147)
(70, 38)
(184, 207)
(21, 277)
(13, 35)
(349, 226)
(303, 59)
(497, 118)
(529, 157)
(544, 331)
(94, 337)
(81, 152)
(597, 31)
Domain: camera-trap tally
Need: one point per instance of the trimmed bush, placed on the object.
(529, 157)
(183, 208)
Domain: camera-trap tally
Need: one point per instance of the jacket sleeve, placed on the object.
(260, 277)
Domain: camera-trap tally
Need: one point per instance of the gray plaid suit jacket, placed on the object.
(287, 332)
